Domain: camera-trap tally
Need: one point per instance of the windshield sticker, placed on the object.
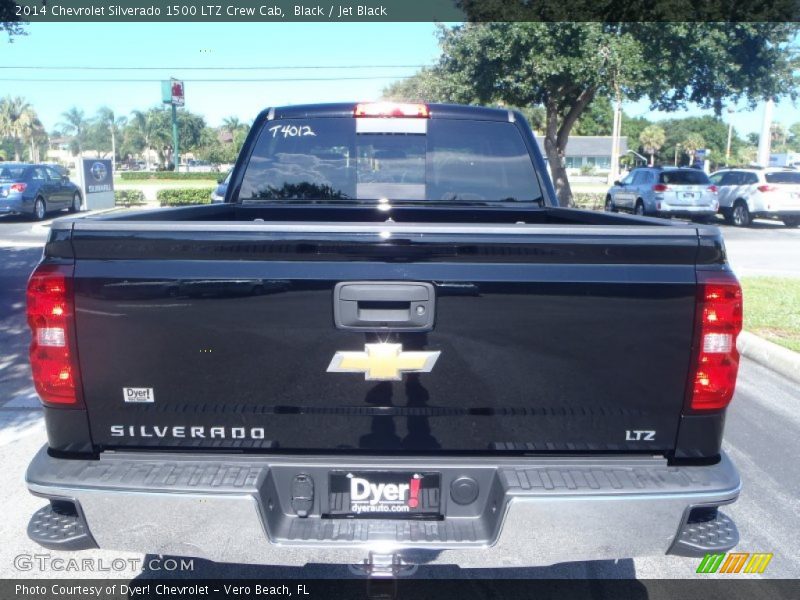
(287, 131)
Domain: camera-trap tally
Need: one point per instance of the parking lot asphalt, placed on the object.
(762, 437)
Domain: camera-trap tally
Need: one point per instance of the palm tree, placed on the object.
(778, 135)
(652, 139)
(114, 124)
(34, 134)
(692, 143)
(75, 125)
(146, 127)
(15, 116)
(232, 125)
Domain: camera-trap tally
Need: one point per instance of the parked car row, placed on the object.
(36, 189)
(747, 194)
(218, 195)
(740, 195)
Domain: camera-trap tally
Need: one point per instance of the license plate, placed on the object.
(688, 195)
(384, 494)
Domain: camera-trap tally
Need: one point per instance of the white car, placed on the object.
(747, 194)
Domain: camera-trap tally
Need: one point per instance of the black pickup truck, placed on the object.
(389, 346)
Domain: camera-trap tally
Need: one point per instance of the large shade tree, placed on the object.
(152, 130)
(565, 66)
(9, 19)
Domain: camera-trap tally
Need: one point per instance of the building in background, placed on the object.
(589, 154)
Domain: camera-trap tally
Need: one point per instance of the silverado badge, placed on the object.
(383, 362)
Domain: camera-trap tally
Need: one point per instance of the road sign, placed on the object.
(172, 92)
(97, 181)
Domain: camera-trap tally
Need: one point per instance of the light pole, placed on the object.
(616, 128)
(764, 138)
(730, 135)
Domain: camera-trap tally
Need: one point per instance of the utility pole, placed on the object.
(764, 139)
(616, 127)
(730, 135)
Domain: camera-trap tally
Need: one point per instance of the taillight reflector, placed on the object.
(391, 109)
(712, 379)
(51, 319)
(660, 187)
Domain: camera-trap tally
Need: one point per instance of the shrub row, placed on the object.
(128, 197)
(184, 196)
(145, 175)
(589, 200)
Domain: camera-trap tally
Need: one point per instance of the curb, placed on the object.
(770, 355)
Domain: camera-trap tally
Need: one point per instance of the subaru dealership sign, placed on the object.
(97, 182)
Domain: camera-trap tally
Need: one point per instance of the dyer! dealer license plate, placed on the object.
(384, 494)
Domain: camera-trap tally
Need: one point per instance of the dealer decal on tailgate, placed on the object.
(384, 494)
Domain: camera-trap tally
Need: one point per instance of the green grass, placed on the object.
(772, 309)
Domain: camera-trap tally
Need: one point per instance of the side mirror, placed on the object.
(64, 179)
(618, 182)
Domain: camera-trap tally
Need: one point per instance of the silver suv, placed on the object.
(665, 191)
(746, 194)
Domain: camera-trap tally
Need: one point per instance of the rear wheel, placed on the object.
(39, 209)
(791, 221)
(727, 214)
(76, 203)
(639, 210)
(610, 205)
(741, 214)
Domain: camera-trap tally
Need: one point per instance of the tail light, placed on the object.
(391, 109)
(18, 187)
(51, 318)
(767, 188)
(712, 379)
(713, 189)
(660, 187)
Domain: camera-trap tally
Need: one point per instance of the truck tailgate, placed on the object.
(549, 338)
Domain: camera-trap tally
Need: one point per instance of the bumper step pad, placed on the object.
(718, 534)
(59, 526)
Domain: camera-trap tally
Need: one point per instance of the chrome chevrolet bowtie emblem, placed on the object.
(383, 362)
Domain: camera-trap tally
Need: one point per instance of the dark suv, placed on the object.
(36, 189)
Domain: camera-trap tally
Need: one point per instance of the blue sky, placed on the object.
(202, 45)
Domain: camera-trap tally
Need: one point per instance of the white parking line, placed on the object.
(16, 244)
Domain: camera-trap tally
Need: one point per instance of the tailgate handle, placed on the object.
(383, 306)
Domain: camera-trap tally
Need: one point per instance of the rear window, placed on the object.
(687, 177)
(11, 173)
(783, 177)
(347, 159)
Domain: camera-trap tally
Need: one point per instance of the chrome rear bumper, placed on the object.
(529, 512)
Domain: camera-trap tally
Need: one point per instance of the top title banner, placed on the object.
(401, 10)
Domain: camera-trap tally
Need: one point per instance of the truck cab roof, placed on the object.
(347, 109)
